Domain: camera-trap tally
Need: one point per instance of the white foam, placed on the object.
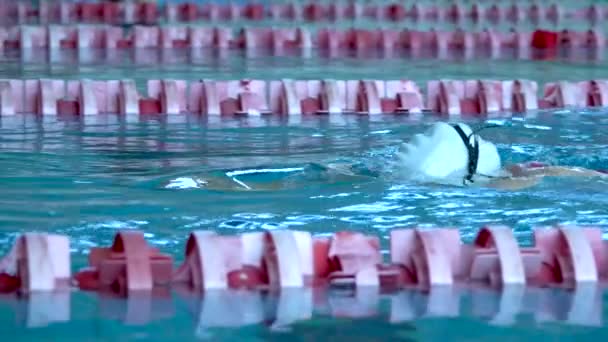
(535, 211)
(386, 131)
(393, 219)
(253, 216)
(335, 196)
(518, 149)
(254, 171)
(114, 224)
(307, 218)
(497, 122)
(183, 183)
(544, 128)
(161, 242)
(200, 223)
(454, 205)
(87, 243)
(405, 195)
(369, 208)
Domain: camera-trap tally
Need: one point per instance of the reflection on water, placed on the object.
(194, 64)
(304, 314)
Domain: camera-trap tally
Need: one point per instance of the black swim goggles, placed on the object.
(473, 151)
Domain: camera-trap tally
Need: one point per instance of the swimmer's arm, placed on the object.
(514, 183)
(562, 171)
(525, 178)
(231, 184)
(336, 172)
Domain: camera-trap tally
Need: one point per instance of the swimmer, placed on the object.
(453, 154)
(446, 154)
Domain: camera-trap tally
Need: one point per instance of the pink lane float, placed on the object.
(300, 270)
(150, 12)
(279, 39)
(293, 97)
(422, 259)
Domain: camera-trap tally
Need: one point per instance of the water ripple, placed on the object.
(368, 208)
(91, 179)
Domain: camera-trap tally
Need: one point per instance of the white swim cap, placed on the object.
(440, 155)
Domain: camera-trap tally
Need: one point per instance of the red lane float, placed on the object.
(149, 12)
(129, 265)
(229, 97)
(566, 257)
(562, 94)
(55, 97)
(376, 97)
(419, 258)
(278, 40)
(454, 97)
(293, 97)
(37, 263)
(576, 256)
(494, 257)
(433, 263)
(597, 92)
(165, 96)
(276, 259)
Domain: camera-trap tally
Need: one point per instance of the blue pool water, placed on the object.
(88, 178)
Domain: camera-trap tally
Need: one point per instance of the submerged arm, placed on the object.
(514, 183)
(557, 171)
(526, 177)
(330, 173)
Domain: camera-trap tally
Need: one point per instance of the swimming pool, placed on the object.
(88, 178)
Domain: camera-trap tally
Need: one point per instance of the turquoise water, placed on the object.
(195, 64)
(89, 178)
(180, 320)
